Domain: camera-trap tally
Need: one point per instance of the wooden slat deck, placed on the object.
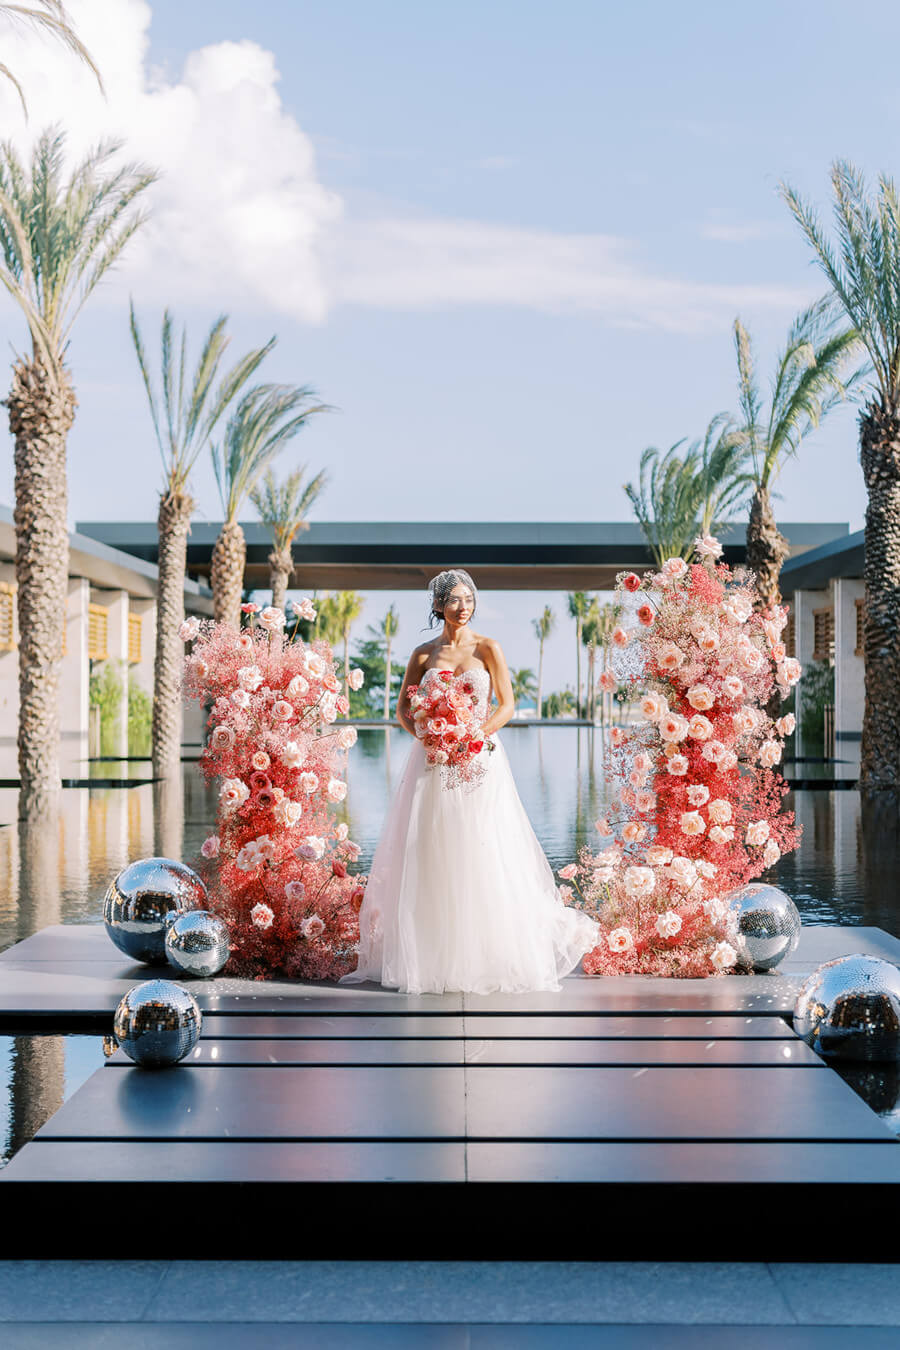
(669, 1118)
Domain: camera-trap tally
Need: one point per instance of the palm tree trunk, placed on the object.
(227, 573)
(347, 659)
(173, 524)
(40, 415)
(387, 680)
(281, 567)
(590, 686)
(578, 668)
(880, 458)
(767, 548)
(540, 687)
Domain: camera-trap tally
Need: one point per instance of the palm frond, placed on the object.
(52, 18)
(283, 506)
(265, 419)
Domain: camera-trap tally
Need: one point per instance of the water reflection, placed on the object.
(879, 1087)
(57, 871)
(37, 1074)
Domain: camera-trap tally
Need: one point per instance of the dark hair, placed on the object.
(440, 588)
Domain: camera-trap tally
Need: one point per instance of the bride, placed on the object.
(460, 895)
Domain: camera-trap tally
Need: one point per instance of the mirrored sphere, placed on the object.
(139, 901)
(850, 1009)
(157, 1023)
(768, 924)
(198, 942)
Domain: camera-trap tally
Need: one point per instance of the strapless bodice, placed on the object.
(479, 679)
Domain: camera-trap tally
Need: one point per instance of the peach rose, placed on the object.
(608, 682)
(700, 727)
(674, 568)
(658, 856)
(757, 832)
(620, 940)
(698, 794)
(668, 925)
(733, 687)
(677, 766)
(692, 823)
(719, 811)
(653, 707)
(682, 871)
(700, 697)
(785, 725)
(713, 751)
(639, 881)
(645, 801)
(721, 834)
(633, 832)
(670, 657)
(769, 754)
(724, 956)
(673, 727)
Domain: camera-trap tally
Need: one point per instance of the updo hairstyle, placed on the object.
(440, 588)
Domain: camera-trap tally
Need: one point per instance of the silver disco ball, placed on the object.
(198, 942)
(767, 924)
(141, 898)
(850, 1009)
(157, 1023)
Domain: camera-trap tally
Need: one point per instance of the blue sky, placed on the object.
(526, 232)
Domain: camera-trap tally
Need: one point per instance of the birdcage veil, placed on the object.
(440, 587)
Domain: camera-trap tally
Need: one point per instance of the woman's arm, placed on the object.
(415, 669)
(493, 658)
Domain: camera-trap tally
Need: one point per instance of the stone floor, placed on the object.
(444, 1305)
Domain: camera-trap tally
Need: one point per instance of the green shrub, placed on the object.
(105, 693)
(140, 719)
(816, 692)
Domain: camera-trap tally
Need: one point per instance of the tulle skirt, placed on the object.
(460, 895)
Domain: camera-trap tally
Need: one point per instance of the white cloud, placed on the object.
(241, 220)
(740, 232)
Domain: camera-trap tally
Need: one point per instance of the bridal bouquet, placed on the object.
(699, 811)
(281, 860)
(447, 723)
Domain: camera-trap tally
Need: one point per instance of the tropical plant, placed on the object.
(51, 18)
(140, 719)
(264, 420)
(591, 635)
(328, 618)
(524, 684)
(191, 409)
(864, 280)
(336, 615)
(283, 508)
(806, 385)
(105, 692)
(680, 495)
(59, 238)
(559, 703)
(579, 603)
(369, 656)
(607, 619)
(386, 631)
(543, 627)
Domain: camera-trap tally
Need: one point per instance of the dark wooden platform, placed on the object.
(618, 1118)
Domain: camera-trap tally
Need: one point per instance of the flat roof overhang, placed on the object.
(404, 555)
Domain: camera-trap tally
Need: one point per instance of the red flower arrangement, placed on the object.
(446, 722)
(700, 809)
(279, 857)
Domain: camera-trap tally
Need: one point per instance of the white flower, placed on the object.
(287, 812)
(713, 751)
(336, 790)
(677, 765)
(293, 755)
(724, 956)
(341, 831)
(314, 664)
(719, 811)
(700, 727)
(707, 546)
(700, 697)
(674, 567)
(714, 909)
(653, 706)
(312, 849)
(249, 857)
(347, 737)
(262, 915)
(308, 783)
(721, 834)
(312, 927)
(240, 698)
(659, 856)
(769, 754)
(189, 629)
(639, 881)
(297, 687)
(757, 832)
(356, 678)
(733, 687)
(771, 853)
(260, 760)
(295, 890)
(250, 677)
(282, 711)
(785, 725)
(789, 671)
(692, 822)
(668, 925)
(620, 940)
(704, 868)
(233, 793)
(698, 794)
(272, 619)
(682, 871)
(673, 727)
(328, 708)
(304, 609)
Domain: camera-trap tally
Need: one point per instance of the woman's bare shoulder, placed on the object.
(420, 655)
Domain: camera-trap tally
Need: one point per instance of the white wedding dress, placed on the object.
(460, 895)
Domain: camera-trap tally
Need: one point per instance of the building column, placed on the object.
(805, 602)
(74, 696)
(117, 611)
(849, 668)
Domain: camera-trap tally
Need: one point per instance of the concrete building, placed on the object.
(825, 590)
(110, 617)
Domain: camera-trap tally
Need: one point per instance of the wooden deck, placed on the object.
(618, 1118)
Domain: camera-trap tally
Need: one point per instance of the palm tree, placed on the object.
(590, 636)
(579, 604)
(608, 616)
(58, 240)
(51, 18)
(523, 685)
(864, 281)
(265, 419)
(348, 607)
(283, 507)
(806, 386)
(328, 618)
(543, 627)
(387, 630)
(681, 495)
(183, 426)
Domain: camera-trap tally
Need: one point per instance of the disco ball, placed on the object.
(198, 942)
(141, 898)
(157, 1023)
(850, 1009)
(767, 925)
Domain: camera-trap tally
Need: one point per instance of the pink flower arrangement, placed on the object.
(708, 664)
(446, 722)
(278, 858)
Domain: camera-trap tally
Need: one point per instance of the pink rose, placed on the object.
(250, 608)
(677, 765)
(719, 811)
(568, 872)
(633, 832)
(653, 707)
(785, 725)
(658, 856)
(620, 940)
(700, 727)
(608, 682)
(698, 794)
(272, 619)
(645, 801)
(769, 754)
(282, 711)
(222, 738)
(721, 834)
(639, 881)
(699, 696)
(295, 890)
(262, 916)
(189, 629)
(771, 853)
(692, 823)
(674, 568)
(645, 615)
(789, 671)
(356, 679)
(673, 727)
(617, 737)
(668, 925)
(210, 847)
(602, 826)
(312, 927)
(713, 751)
(621, 637)
(707, 546)
(336, 790)
(757, 832)
(670, 657)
